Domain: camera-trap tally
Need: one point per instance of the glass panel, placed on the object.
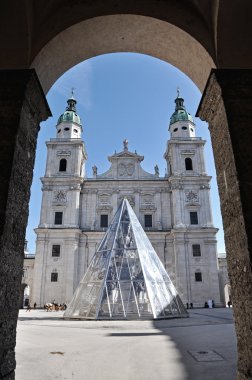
(125, 279)
(132, 309)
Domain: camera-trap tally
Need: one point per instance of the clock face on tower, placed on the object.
(60, 196)
(192, 196)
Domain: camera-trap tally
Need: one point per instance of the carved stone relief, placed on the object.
(205, 186)
(75, 187)
(104, 199)
(176, 186)
(104, 207)
(148, 207)
(63, 153)
(147, 203)
(130, 198)
(187, 152)
(125, 170)
(60, 196)
(192, 196)
(104, 202)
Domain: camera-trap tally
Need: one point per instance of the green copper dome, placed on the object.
(180, 113)
(70, 114)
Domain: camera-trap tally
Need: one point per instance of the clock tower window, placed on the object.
(188, 163)
(63, 165)
(194, 217)
(58, 217)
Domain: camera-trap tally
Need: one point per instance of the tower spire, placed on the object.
(69, 123)
(178, 92)
(71, 102)
(179, 101)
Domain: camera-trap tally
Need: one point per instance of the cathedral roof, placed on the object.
(126, 165)
(180, 113)
(70, 114)
(125, 153)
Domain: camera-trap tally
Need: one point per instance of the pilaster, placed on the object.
(227, 106)
(22, 107)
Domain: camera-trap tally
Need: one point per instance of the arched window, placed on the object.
(63, 165)
(188, 163)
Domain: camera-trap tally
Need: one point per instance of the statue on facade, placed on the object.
(125, 144)
(156, 170)
(94, 168)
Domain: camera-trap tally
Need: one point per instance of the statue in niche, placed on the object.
(94, 168)
(156, 170)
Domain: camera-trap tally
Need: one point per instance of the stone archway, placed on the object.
(21, 299)
(134, 33)
(224, 106)
(227, 293)
(122, 33)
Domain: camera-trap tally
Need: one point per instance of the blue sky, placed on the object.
(122, 95)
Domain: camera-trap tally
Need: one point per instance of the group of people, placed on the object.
(191, 305)
(54, 306)
(48, 306)
(209, 304)
(29, 306)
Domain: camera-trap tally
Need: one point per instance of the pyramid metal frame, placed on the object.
(125, 279)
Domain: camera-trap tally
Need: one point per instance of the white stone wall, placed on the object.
(169, 200)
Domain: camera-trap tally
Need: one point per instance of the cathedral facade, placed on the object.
(174, 210)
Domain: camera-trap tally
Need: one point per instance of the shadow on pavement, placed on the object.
(206, 342)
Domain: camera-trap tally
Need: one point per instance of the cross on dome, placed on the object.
(178, 92)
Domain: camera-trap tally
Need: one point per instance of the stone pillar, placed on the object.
(227, 106)
(22, 107)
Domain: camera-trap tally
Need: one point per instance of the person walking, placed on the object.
(28, 307)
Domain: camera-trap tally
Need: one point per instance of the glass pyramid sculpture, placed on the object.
(125, 279)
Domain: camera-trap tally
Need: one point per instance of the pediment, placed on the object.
(125, 154)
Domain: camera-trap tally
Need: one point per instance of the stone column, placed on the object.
(22, 107)
(227, 106)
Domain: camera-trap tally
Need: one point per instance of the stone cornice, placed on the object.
(70, 141)
(61, 181)
(181, 141)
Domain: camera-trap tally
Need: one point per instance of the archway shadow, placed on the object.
(206, 342)
(202, 346)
